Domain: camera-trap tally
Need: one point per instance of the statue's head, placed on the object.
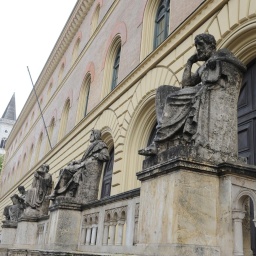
(205, 46)
(46, 167)
(21, 189)
(15, 199)
(95, 135)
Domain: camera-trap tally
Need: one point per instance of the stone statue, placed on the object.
(13, 212)
(35, 199)
(203, 113)
(80, 179)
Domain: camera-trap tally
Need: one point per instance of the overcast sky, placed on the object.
(29, 30)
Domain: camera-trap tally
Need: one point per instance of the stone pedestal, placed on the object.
(27, 232)
(9, 230)
(64, 224)
(191, 204)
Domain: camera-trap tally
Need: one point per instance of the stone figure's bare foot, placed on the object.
(151, 150)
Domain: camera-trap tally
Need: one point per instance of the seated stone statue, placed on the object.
(35, 200)
(13, 212)
(203, 113)
(80, 179)
(10, 211)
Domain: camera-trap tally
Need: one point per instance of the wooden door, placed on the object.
(107, 176)
(247, 128)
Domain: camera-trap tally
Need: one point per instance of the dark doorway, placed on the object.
(247, 128)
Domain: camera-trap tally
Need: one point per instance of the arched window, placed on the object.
(24, 164)
(75, 50)
(116, 69)
(50, 133)
(112, 65)
(49, 90)
(162, 22)
(95, 19)
(84, 98)
(107, 176)
(64, 120)
(61, 73)
(38, 147)
(30, 156)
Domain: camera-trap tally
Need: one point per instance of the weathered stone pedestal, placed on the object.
(190, 207)
(64, 224)
(26, 232)
(9, 232)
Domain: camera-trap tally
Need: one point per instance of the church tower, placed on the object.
(7, 121)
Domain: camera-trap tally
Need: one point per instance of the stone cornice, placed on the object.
(70, 29)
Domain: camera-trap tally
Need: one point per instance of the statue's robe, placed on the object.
(206, 113)
(88, 175)
(41, 187)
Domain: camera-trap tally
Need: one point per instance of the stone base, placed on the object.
(26, 231)
(64, 225)
(9, 232)
(190, 203)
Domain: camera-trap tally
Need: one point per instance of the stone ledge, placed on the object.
(71, 203)
(9, 224)
(112, 199)
(65, 203)
(189, 164)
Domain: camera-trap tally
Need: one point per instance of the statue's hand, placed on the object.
(193, 58)
(211, 64)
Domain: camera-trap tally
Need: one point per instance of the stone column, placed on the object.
(112, 233)
(120, 229)
(238, 232)
(83, 233)
(88, 235)
(105, 234)
(94, 234)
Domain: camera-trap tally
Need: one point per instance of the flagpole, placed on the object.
(39, 108)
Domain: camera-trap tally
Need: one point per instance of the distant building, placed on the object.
(7, 121)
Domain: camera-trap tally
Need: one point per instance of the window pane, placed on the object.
(162, 23)
(116, 69)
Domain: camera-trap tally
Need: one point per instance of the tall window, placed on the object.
(38, 147)
(107, 176)
(61, 73)
(116, 69)
(30, 156)
(64, 119)
(82, 109)
(162, 22)
(50, 133)
(75, 50)
(95, 19)
(87, 94)
(112, 65)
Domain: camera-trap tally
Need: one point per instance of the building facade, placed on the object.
(103, 74)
